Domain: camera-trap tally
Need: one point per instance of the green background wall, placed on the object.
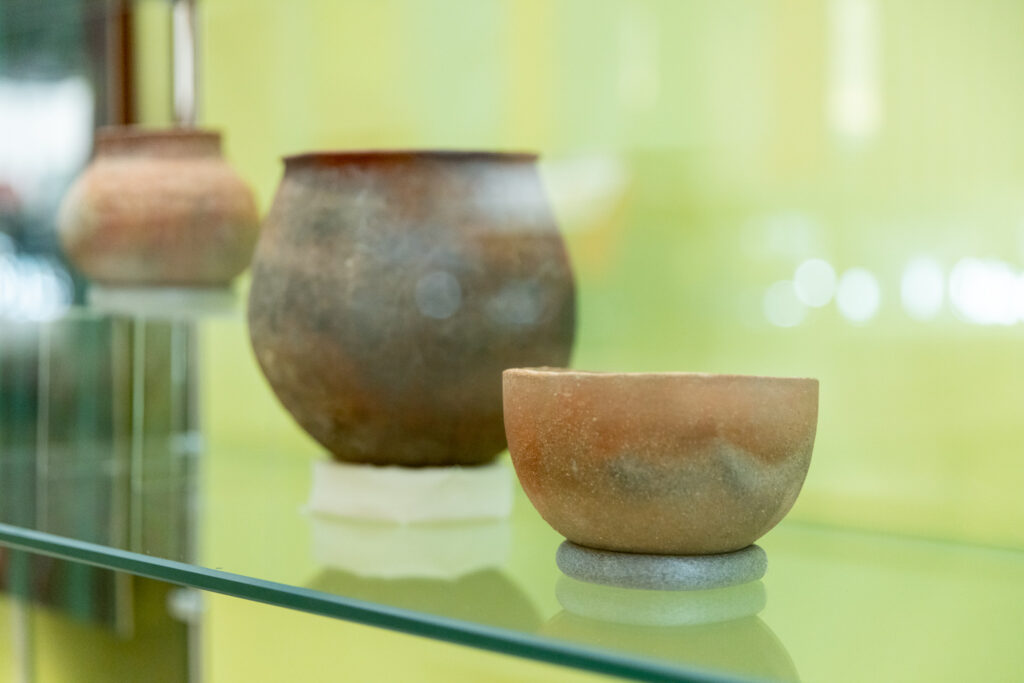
(695, 157)
(697, 153)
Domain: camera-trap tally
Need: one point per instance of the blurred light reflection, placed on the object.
(782, 307)
(985, 291)
(639, 59)
(33, 289)
(48, 132)
(854, 100)
(922, 288)
(859, 295)
(815, 282)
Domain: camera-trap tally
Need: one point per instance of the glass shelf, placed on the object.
(102, 463)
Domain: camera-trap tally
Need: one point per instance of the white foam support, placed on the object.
(404, 494)
(164, 302)
(386, 550)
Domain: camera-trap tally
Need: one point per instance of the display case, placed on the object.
(827, 190)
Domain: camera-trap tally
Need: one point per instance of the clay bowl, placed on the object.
(665, 463)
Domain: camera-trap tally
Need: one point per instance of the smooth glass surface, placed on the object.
(111, 469)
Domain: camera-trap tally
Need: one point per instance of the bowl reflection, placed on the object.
(641, 607)
(714, 630)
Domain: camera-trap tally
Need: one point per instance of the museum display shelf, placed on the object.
(147, 493)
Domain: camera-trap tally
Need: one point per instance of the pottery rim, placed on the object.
(597, 374)
(132, 132)
(157, 142)
(343, 157)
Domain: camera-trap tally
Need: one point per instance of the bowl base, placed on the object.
(661, 572)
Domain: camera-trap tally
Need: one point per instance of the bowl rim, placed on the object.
(553, 372)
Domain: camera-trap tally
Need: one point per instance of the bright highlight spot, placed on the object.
(815, 282)
(782, 308)
(922, 288)
(32, 289)
(859, 295)
(985, 291)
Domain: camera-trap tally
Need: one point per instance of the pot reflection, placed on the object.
(382, 550)
(487, 596)
(451, 569)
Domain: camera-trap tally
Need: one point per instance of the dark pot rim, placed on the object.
(132, 132)
(344, 157)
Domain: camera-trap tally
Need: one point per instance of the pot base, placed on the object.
(661, 572)
(164, 302)
(411, 494)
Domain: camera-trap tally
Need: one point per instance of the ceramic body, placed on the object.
(674, 463)
(159, 208)
(391, 289)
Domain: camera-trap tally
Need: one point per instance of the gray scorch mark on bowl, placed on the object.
(715, 462)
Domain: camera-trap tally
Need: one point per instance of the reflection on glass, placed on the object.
(447, 568)
(440, 550)
(922, 288)
(815, 282)
(745, 647)
(430, 539)
(985, 292)
(854, 98)
(95, 418)
(32, 288)
(782, 306)
(488, 596)
(659, 607)
(859, 295)
(712, 629)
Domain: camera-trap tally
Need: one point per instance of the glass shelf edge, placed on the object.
(490, 638)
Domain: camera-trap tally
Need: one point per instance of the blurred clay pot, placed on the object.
(159, 208)
(390, 290)
(667, 463)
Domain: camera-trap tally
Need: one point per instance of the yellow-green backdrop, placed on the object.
(697, 152)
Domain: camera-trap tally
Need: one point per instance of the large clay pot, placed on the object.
(159, 208)
(390, 290)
